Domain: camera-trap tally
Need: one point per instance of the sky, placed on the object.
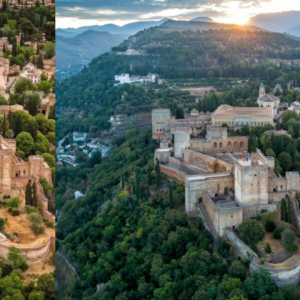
(78, 13)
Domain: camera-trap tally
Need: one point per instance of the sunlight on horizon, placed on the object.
(233, 12)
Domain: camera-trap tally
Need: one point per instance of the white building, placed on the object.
(79, 136)
(31, 73)
(268, 100)
(125, 78)
(78, 195)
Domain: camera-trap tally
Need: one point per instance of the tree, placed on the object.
(171, 200)
(251, 231)
(285, 161)
(283, 210)
(40, 62)
(245, 130)
(252, 144)
(237, 270)
(36, 295)
(289, 212)
(46, 284)
(158, 175)
(288, 236)
(35, 202)
(25, 143)
(28, 194)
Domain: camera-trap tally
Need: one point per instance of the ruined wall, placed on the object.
(292, 179)
(284, 273)
(240, 245)
(31, 254)
(5, 169)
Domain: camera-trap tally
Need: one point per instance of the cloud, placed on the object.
(125, 11)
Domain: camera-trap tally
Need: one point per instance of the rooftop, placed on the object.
(230, 111)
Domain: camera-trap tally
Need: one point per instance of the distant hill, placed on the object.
(128, 29)
(280, 22)
(294, 31)
(202, 19)
(81, 49)
(194, 25)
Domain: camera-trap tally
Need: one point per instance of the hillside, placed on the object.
(81, 49)
(295, 31)
(204, 25)
(172, 55)
(280, 22)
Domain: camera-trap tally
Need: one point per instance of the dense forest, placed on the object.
(127, 235)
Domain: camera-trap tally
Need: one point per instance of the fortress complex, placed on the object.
(16, 173)
(223, 182)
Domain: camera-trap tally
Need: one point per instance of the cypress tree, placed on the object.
(123, 183)
(22, 40)
(40, 62)
(294, 153)
(171, 200)
(28, 194)
(14, 50)
(289, 212)
(279, 145)
(34, 196)
(4, 127)
(11, 120)
(283, 210)
(18, 125)
(158, 175)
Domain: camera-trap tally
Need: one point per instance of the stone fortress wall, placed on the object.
(31, 252)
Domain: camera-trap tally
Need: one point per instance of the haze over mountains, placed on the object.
(78, 46)
(279, 22)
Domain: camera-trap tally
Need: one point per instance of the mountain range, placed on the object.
(81, 49)
(279, 22)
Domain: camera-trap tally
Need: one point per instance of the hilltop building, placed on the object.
(15, 173)
(268, 100)
(223, 182)
(125, 78)
(31, 73)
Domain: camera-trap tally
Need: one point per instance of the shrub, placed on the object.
(15, 212)
(291, 247)
(49, 224)
(35, 218)
(2, 223)
(262, 260)
(37, 228)
(14, 203)
(30, 209)
(268, 248)
(270, 226)
(288, 236)
(277, 233)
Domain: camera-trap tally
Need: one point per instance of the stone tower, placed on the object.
(251, 182)
(182, 134)
(262, 91)
(160, 122)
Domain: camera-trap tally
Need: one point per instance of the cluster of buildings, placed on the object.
(125, 78)
(224, 183)
(219, 173)
(67, 154)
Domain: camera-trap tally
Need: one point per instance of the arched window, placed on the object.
(242, 144)
(229, 145)
(215, 145)
(200, 200)
(220, 145)
(235, 144)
